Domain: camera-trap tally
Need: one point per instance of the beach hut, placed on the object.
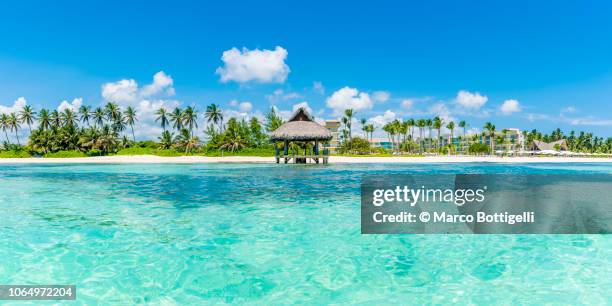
(301, 128)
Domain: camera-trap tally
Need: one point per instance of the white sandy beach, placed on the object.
(152, 159)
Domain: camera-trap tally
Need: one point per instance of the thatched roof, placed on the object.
(301, 127)
(541, 146)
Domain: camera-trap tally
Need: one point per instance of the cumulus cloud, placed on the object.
(381, 96)
(15, 108)
(470, 100)
(262, 66)
(407, 103)
(162, 83)
(383, 119)
(347, 97)
(120, 91)
(127, 91)
(318, 87)
(73, 106)
(510, 106)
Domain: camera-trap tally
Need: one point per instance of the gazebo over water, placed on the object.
(303, 130)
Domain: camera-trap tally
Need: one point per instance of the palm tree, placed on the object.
(112, 111)
(14, 125)
(438, 123)
(43, 119)
(130, 118)
(421, 123)
(98, 116)
(27, 115)
(411, 124)
(119, 122)
(349, 116)
(162, 117)
(5, 123)
(85, 114)
(68, 117)
(491, 129)
(215, 115)
(56, 120)
(403, 130)
(451, 127)
(190, 119)
(177, 119)
(462, 125)
(429, 124)
(166, 140)
(363, 122)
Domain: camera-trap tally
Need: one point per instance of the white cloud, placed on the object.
(470, 100)
(120, 91)
(263, 66)
(15, 108)
(510, 106)
(407, 103)
(233, 103)
(73, 106)
(162, 83)
(381, 96)
(245, 106)
(383, 119)
(126, 91)
(318, 87)
(348, 98)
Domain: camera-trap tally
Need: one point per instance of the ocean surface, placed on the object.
(263, 234)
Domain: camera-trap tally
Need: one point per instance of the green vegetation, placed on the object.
(65, 154)
(110, 130)
(14, 154)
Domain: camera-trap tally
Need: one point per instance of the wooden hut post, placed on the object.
(316, 147)
(276, 153)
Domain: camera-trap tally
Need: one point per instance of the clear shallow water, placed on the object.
(248, 233)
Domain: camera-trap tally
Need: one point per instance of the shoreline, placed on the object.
(153, 159)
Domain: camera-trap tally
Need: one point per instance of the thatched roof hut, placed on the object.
(300, 127)
(541, 145)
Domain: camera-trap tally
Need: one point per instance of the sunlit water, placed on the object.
(203, 234)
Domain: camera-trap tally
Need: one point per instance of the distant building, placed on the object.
(333, 126)
(381, 143)
(538, 145)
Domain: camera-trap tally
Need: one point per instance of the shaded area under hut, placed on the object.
(301, 137)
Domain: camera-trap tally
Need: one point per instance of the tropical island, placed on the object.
(109, 131)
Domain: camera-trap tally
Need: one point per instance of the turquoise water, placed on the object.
(249, 233)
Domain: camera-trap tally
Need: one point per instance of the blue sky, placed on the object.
(549, 63)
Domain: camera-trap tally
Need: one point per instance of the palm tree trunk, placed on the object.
(7, 139)
(17, 135)
(133, 136)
